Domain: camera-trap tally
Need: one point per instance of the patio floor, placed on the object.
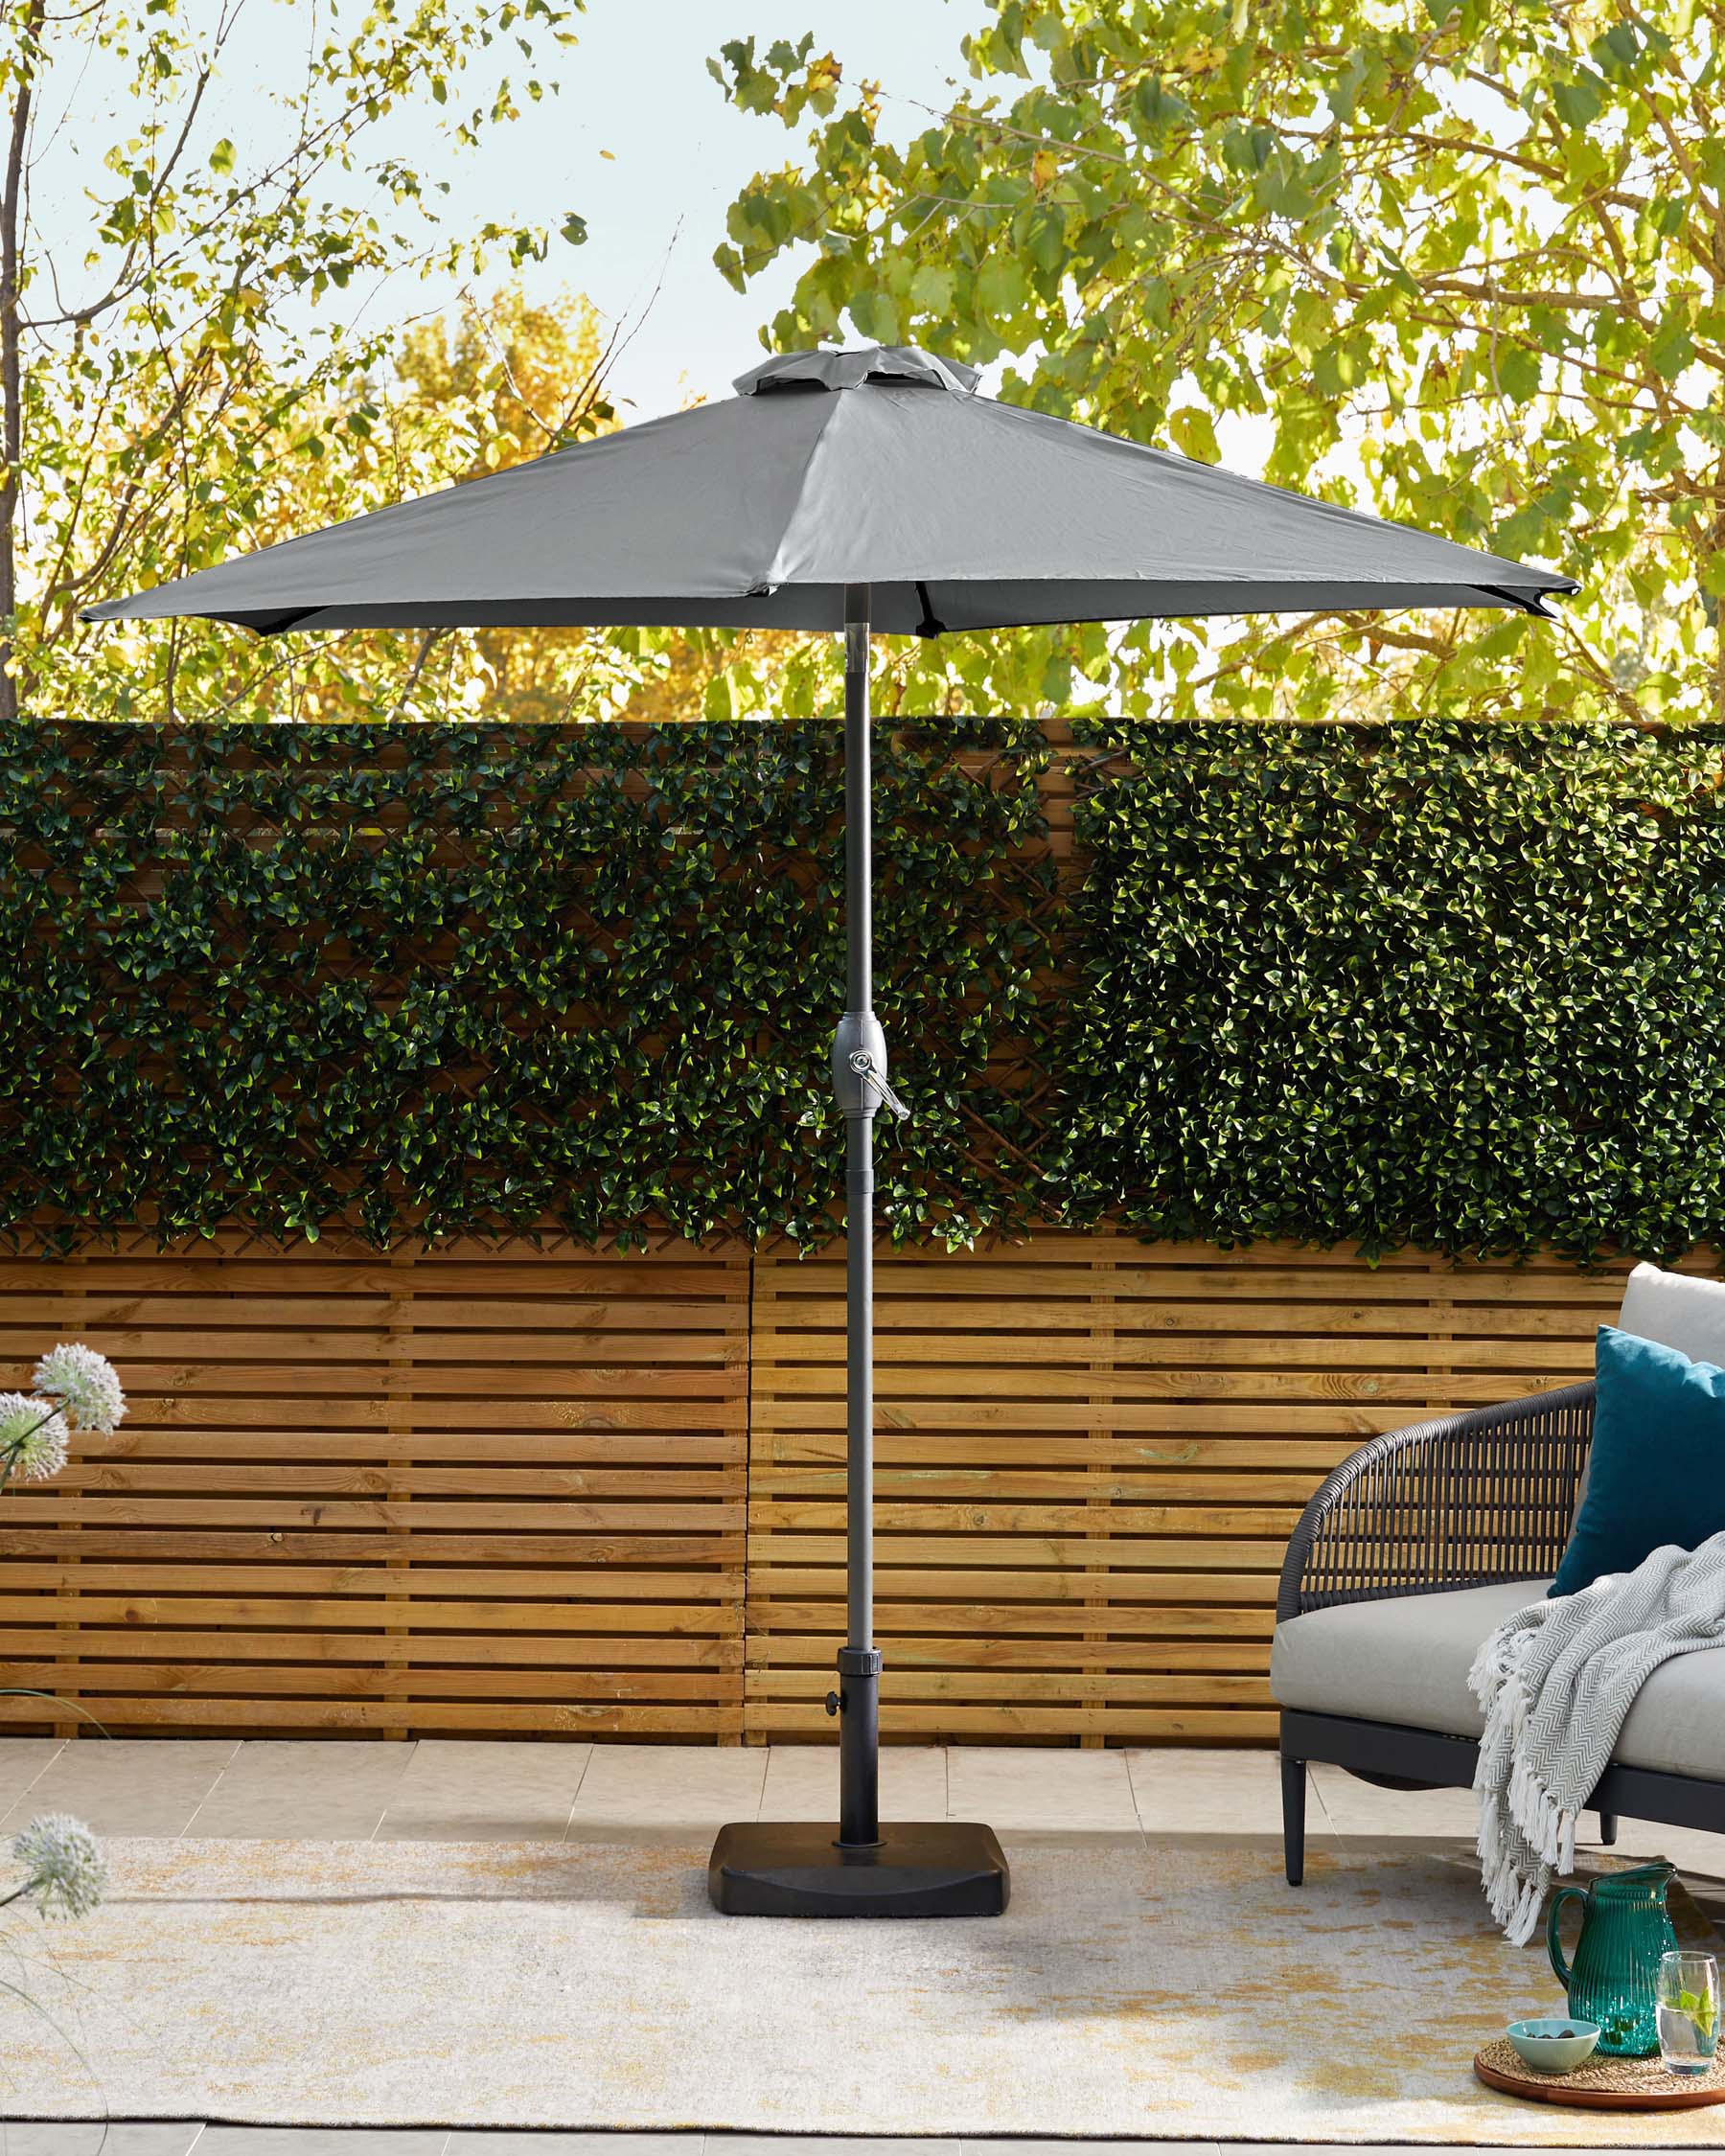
(460, 1791)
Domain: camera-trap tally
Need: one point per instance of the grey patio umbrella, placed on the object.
(847, 490)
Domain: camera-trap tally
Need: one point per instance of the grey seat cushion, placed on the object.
(1406, 1660)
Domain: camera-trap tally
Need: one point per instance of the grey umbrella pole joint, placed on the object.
(943, 1867)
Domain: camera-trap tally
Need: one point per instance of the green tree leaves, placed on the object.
(197, 373)
(1465, 257)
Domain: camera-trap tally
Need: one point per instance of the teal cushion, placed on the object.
(1656, 1473)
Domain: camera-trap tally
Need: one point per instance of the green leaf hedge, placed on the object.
(1450, 986)
(1460, 987)
(473, 980)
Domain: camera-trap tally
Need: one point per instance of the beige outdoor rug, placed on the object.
(1178, 1991)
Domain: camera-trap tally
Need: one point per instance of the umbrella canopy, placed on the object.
(881, 468)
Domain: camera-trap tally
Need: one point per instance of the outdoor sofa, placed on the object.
(1417, 1548)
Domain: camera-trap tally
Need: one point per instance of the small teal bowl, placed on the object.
(1554, 2046)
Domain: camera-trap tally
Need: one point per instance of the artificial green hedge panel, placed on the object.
(1456, 987)
(475, 979)
(1453, 987)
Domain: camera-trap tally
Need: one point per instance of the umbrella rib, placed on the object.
(1524, 603)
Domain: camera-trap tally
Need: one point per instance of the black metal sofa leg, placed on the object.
(1293, 1804)
(1608, 1824)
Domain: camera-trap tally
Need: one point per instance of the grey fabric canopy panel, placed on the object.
(855, 491)
(832, 469)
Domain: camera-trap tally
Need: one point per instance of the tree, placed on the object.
(1465, 260)
(205, 367)
(496, 383)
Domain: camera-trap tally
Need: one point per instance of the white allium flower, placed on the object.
(66, 1873)
(34, 1437)
(84, 1385)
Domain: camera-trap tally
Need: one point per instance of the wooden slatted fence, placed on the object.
(495, 1493)
(459, 1492)
(1091, 1454)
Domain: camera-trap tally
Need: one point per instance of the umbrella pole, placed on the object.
(859, 1084)
(945, 1868)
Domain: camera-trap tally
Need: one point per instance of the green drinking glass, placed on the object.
(1614, 1979)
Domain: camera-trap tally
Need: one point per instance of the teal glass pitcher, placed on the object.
(1615, 1976)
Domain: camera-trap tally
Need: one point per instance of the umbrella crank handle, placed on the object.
(859, 1069)
(863, 1064)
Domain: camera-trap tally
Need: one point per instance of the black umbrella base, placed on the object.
(949, 1868)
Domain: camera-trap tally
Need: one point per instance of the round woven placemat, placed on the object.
(1601, 2084)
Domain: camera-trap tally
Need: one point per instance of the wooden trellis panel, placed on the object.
(1091, 1454)
(471, 1492)
(503, 1493)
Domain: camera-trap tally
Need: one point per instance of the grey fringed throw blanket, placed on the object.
(1557, 1682)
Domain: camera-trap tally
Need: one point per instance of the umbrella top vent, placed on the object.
(851, 370)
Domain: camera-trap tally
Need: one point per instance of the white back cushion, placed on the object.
(1678, 1310)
